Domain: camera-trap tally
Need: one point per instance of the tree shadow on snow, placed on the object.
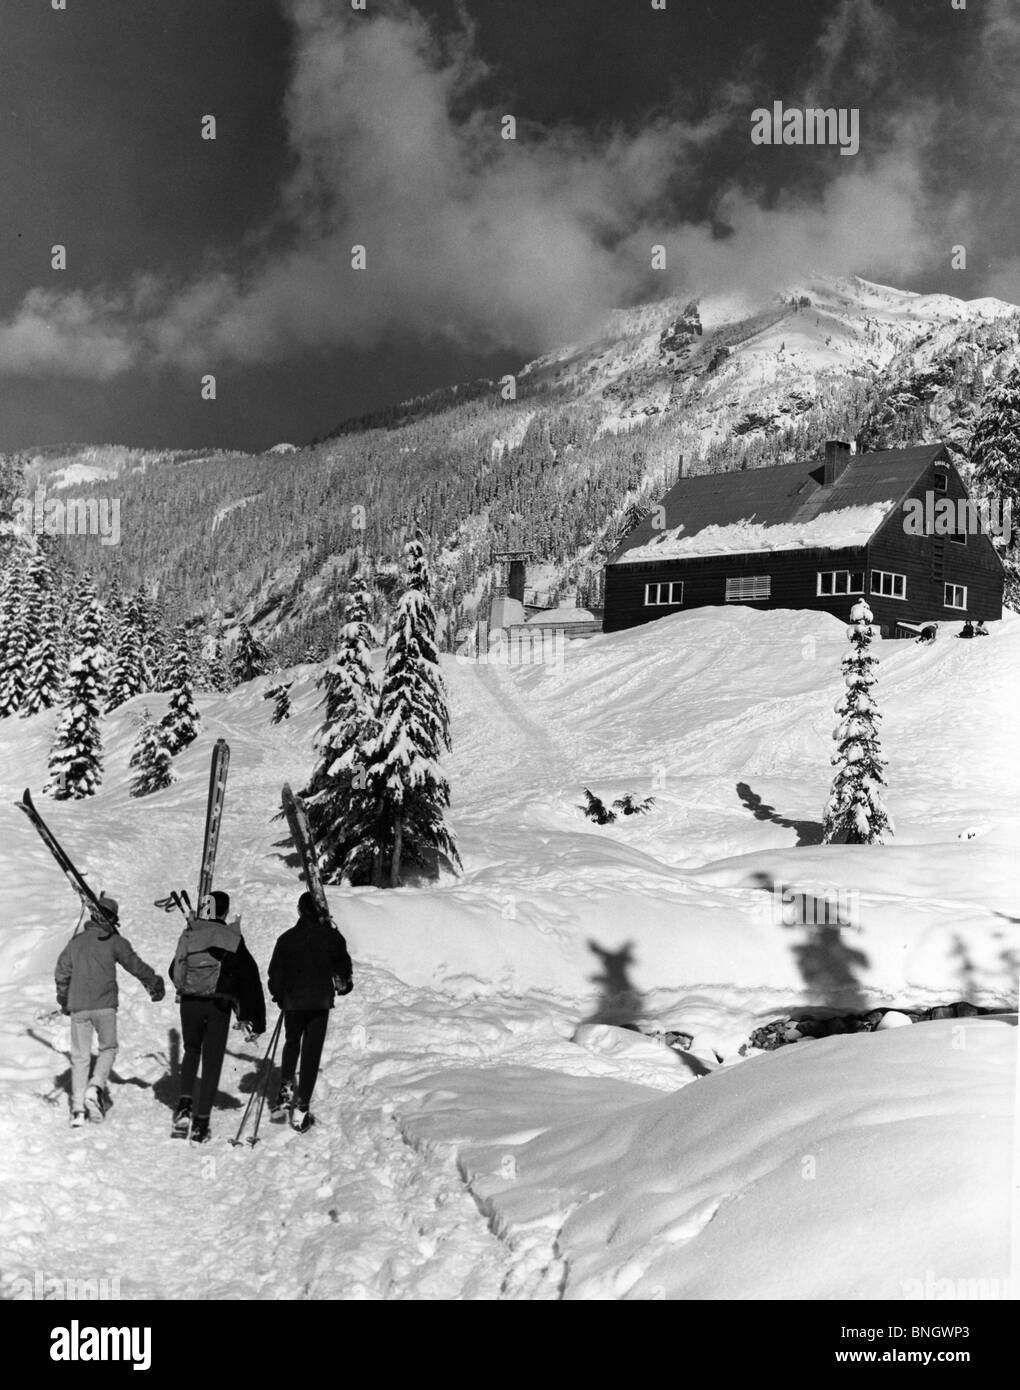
(620, 1003)
(829, 965)
(809, 832)
(290, 855)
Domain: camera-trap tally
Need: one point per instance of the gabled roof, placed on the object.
(778, 508)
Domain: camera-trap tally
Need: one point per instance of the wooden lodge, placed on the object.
(896, 527)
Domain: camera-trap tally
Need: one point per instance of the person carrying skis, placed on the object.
(310, 965)
(214, 975)
(86, 980)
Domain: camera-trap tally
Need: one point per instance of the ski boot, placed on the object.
(300, 1118)
(200, 1130)
(284, 1101)
(182, 1119)
(77, 1119)
(96, 1104)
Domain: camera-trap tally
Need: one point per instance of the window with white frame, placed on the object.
(750, 586)
(941, 481)
(664, 595)
(840, 582)
(888, 585)
(955, 596)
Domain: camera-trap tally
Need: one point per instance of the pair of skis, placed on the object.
(213, 817)
(218, 770)
(87, 895)
(300, 833)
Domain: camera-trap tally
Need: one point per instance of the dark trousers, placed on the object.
(304, 1033)
(205, 1025)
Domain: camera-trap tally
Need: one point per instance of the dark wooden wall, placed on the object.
(928, 561)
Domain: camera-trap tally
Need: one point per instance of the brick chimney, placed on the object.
(837, 456)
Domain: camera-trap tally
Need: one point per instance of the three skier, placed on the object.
(310, 966)
(86, 981)
(215, 976)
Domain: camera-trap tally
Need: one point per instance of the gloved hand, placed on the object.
(341, 985)
(62, 1005)
(157, 990)
(250, 1033)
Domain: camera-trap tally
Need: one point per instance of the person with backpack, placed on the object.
(214, 975)
(86, 980)
(310, 965)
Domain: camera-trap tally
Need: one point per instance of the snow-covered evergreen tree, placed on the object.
(854, 814)
(182, 719)
(280, 695)
(995, 455)
(338, 796)
(251, 658)
(409, 793)
(76, 757)
(14, 647)
(151, 758)
(215, 668)
(130, 675)
(44, 621)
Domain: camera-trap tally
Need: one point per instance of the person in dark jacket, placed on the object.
(86, 980)
(214, 975)
(310, 965)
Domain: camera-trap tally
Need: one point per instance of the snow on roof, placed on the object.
(561, 616)
(831, 531)
(782, 508)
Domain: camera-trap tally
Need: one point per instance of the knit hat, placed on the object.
(109, 905)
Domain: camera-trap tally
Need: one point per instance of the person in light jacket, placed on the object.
(86, 980)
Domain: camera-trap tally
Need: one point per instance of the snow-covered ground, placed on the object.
(471, 1142)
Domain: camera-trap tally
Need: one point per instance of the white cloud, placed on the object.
(485, 241)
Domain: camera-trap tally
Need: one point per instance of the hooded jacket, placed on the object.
(305, 962)
(206, 944)
(86, 972)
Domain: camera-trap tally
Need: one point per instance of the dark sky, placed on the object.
(232, 256)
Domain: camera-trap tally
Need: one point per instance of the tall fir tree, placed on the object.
(338, 797)
(76, 757)
(855, 814)
(995, 455)
(407, 794)
(44, 674)
(215, 667)
(151, 758)
(251, 657)
(130, 675)
(182, 720)
(14, 645)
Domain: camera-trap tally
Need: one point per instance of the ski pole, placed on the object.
(265, 1083)
(270, 1053)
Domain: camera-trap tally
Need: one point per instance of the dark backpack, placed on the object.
(201, 951)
